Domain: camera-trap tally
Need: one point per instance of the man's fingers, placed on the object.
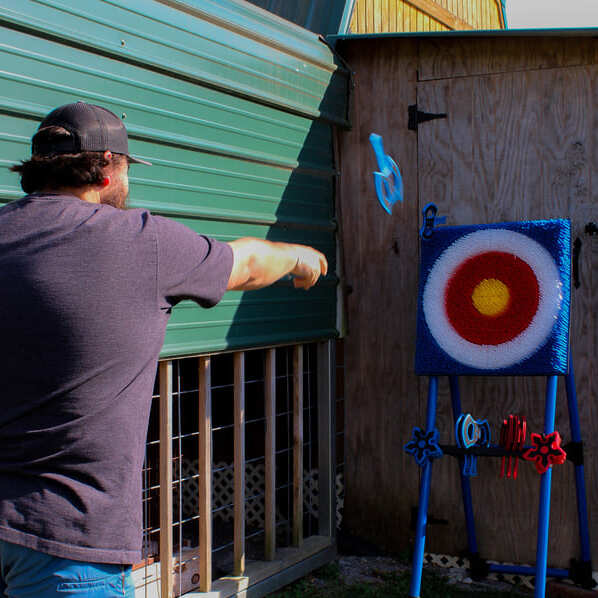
(302, 283)
(307, 281)
(310, 266)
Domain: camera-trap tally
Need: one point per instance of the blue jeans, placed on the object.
(26, 573)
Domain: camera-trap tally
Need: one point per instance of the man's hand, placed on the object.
(310, 265)
(259, 263)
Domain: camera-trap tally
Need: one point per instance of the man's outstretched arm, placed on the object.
(258, 263)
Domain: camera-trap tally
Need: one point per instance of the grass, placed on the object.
(327, 583)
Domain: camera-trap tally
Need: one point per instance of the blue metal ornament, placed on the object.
(388, 182)
(431, 219)
(424, 446)
(469, 433)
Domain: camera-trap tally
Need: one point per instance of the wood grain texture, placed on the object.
(381, 253)
(446, 58)
(585, 312)
(270, 458)
(535, 125)
(205, 475)
(298, 446)
(438, 13)
(513, 148)
(239, 464)
(290, 564)
(385, 16)
(166, 544)
(378, 8)
(520, 142)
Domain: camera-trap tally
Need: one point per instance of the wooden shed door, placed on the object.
(518, 145)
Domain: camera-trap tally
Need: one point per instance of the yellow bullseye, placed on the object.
(491, 297)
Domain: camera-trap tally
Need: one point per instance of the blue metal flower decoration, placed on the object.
(424, 446)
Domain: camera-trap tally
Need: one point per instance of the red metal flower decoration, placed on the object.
(545, 451)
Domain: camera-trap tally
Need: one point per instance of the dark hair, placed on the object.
(61, 170)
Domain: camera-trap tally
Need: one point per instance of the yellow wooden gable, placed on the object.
(386, 16)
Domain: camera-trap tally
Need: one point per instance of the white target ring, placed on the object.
(471, 252)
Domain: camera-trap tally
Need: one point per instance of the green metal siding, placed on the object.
(235, 113)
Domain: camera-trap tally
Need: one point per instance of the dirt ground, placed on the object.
(372, 569)
(387, 577)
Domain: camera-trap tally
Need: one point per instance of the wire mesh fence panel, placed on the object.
(269, 455)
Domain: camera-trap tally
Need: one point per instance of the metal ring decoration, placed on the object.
(470, 432)
(512, 439)
(492, 297)
(467, 430)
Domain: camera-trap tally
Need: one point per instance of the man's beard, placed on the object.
(116, 197)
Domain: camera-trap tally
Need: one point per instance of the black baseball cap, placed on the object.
(92, 129)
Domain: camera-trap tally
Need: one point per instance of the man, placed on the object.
(86, 289)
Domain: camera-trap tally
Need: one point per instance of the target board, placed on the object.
(494, 299)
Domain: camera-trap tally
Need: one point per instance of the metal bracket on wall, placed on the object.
(417, 116)
(432, 520)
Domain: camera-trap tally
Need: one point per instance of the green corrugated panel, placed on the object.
(236, 123)
(216, 52)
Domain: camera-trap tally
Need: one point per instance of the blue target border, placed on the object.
(552, 356)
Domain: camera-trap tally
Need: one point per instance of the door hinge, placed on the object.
(417, 116)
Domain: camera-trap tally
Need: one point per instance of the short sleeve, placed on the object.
(190, 266)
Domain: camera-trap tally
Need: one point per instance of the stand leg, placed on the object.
(580, 483)
(424, 495)
(472, 543)
(544, 514)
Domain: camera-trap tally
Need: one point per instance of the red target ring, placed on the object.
(491, 298)
(520, 295)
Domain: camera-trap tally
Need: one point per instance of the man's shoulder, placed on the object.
(63, 213)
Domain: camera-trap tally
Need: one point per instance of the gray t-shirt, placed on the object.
(85, 295)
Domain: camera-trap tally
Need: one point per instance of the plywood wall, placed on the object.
(519, 143)
(382, 16)
(380, 300)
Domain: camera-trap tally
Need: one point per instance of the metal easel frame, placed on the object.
(541, 571)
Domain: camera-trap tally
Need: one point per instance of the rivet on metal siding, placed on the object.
(122, 42)
(124, 115)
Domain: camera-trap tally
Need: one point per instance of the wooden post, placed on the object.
(270, 498)
(326, 438)
(239, 464)
(298, 446)
(166, 547)
(205, 475)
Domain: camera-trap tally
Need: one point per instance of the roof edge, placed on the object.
(560, 32)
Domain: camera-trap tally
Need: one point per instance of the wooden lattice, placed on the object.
(223, 491)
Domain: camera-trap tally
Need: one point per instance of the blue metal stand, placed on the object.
(580, 482)
(424, 494)
(544, 514)
(472, 543)
(425, 457)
